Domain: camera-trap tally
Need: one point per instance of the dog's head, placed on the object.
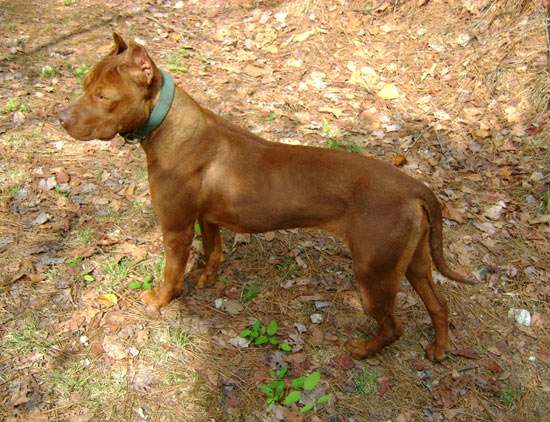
(119, 94)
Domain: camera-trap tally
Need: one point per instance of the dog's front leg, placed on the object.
(176, 248)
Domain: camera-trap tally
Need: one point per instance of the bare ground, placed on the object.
(469, 89)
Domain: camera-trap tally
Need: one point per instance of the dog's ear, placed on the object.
(120, 45)
(137, 55)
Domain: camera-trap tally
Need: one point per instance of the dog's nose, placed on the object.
(65, 117)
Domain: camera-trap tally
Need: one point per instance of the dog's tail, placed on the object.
(435, 218)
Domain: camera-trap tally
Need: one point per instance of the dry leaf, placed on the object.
(108, 299)
(389, 92)
(304, 35)
(451, 213)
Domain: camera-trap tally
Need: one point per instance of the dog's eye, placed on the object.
(101, 96)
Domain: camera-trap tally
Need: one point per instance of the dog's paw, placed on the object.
(436, 353)
(200, 278)
(358, 348)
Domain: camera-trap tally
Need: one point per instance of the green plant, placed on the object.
(12, 104)
(80, 71)
(73, 262)
(87, 277)
(366, 382)
(275, 390)
(332, 143)
(185, 51)
(47, 71)
(142, 285)
(260, 335)
(250, 291)
(509, 396)
(69, 2)
(176, 65)
(13, 190)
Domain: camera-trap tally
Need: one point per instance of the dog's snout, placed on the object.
(66, 117)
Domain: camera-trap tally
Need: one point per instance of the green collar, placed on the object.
(159, 111)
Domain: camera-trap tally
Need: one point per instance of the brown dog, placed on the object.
(203, 168)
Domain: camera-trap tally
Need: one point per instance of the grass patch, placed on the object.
(509, 396)
(155, 353)
(30, 338)
(287, 268)
(365, 383)
(250, 291)
(15, 104)
(179, 337)
(85, 236)
(115, 273)
(94, 386)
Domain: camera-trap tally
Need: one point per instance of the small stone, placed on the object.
(41, 218)
(316, 318)
(322, 304)
(47, 184)
(18, 118)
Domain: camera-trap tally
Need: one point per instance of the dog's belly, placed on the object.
(254, 213)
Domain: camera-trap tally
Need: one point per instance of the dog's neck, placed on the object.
(183, 123)
(163, 95)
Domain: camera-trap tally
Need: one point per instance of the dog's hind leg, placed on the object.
(419, 274)
(382, 249)
(377, 290)
(212, 242)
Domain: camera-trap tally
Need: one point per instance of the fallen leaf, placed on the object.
(491, 365)
(451, 213)
(399, 160)
(389, 92)
(241, 238)
(304, 35)
(344, 361)
(466, 352)
(107, 299)
(315, 336)
(495, 211)
(486, 227)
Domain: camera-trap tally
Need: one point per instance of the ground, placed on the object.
(454, 92)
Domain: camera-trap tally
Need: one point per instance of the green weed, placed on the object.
(366, 383)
